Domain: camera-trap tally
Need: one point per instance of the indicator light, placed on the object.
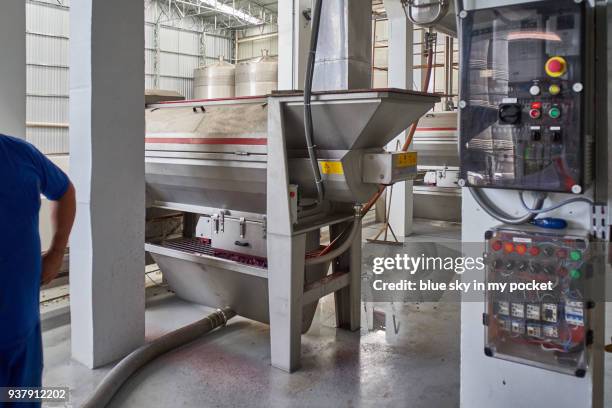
(508, 247)
(575, 255)
(534, 251)
(521, 249)
(534, 90)
(575, 274)
(554, 89)
(562, 253)
(556, 67)
(536, 105)
(554, 112)
(562, 271)
(535, 113)
(496, 245)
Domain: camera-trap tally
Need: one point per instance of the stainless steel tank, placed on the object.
(257, 77)
(214, 81)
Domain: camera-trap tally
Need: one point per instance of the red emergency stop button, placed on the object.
(556, 66)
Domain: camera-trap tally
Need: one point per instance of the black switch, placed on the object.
(509, 113)
(536, 135)
(556, 136)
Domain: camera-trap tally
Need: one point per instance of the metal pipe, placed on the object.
(308, 125)
(113, 381)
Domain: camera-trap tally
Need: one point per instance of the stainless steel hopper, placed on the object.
(213, 153)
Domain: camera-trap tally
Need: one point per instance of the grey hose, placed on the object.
(340, 250)
(490, 208)
(554, 207)
(308, 125)
(113, 381)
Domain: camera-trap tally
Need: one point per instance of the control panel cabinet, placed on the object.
(546, 327)
(523, 102)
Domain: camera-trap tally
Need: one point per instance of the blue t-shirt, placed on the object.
(25, 174)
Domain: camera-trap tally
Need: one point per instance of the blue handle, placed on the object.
(550, 223)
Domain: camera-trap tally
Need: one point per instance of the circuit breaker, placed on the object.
(541, 317)
(524, 97)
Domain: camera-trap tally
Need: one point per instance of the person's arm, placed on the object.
(62, 218)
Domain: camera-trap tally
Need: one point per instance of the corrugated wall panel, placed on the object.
(46, 50)
(47, 47)
(182, 85)
(216, 46)
(47, 19)
(253, 49)
(49, 140)
(47, 80)
(149, 36)
(48, 110)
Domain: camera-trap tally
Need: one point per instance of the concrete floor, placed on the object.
(417, 367)
(409, 357)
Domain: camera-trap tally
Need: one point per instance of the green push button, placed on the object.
(554, 112)
(575, 255)
(575, 274)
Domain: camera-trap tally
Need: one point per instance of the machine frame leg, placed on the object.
(348, 299)
(286, 287)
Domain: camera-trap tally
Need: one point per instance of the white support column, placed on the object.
(293, 41)
(107, 167)
(400, 76)
(12, 68)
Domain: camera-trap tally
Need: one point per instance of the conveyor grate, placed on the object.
(199, 246)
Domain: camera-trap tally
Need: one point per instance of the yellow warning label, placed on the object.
(331, 167)
(406, 159)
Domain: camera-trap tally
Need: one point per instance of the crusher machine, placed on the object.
(240, 170)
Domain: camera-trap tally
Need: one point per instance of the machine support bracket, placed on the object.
(325, 286)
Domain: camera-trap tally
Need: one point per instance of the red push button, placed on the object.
(496, 245)
(535, 113)
(556, 67)
(534, 251)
